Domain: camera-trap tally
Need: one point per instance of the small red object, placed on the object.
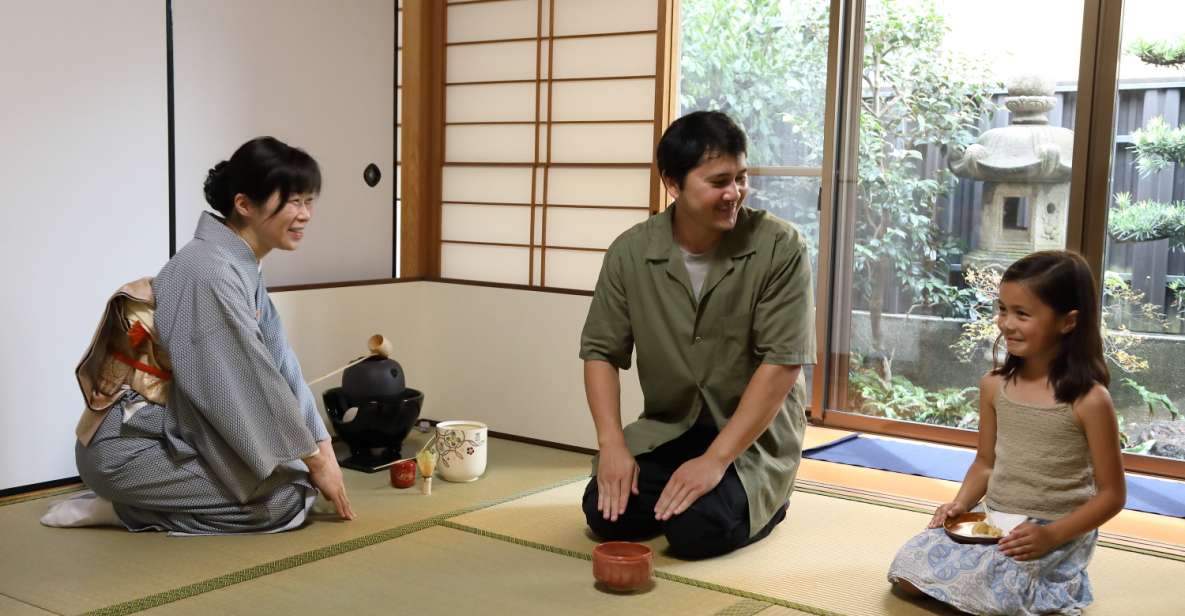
(137, 334)
(403, 473)
(623, 565)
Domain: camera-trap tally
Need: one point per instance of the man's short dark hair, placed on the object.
(696, 137)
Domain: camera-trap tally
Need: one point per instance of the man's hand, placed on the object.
(617, 478)
(691, 480)
(946, 511)
(1028, 541)
(326, 476)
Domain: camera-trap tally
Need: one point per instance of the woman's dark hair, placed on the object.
(257, 169)
(1062, 280)
(694, 138)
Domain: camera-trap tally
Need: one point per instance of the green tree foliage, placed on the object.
(764, 62)
(915, 94)
(1143, 221)
(1157, 147)
(1159, 53)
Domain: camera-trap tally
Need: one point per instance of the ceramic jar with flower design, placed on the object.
(461, 450)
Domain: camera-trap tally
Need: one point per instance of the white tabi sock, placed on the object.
(86, 509)
(322, 506)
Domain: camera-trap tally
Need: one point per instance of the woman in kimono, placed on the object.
(240, 446)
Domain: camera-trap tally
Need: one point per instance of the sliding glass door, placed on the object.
(923, 146)
(1143, 265)
(765, 63)
(962, 136)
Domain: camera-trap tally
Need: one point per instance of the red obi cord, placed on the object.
(164, 375)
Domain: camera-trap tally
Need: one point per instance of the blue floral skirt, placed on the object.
(980, 579)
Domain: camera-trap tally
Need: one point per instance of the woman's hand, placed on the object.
(1028, 541)
(617, 478)
(946, 511)
(691, 480)
(326, 476)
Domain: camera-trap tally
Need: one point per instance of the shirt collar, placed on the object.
(736, 243)
(211, 228)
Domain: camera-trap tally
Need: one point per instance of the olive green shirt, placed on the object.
(695, 357)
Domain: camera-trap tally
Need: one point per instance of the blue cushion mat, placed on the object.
(1162, 496)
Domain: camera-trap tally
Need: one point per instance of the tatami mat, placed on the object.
(777, 610)
(70, 571)
(443, 571)
(829, 557)
(12, 607)
(830, 554)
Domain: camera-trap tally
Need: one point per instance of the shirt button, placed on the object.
(698, 340)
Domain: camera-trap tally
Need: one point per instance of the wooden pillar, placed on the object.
(423, 136)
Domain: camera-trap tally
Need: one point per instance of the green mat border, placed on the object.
(750, 600)
(751, 603)
(744, 607)
(310, 556)
(16, 499)
(658, 573)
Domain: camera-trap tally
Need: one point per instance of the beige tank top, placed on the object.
(1042, 465)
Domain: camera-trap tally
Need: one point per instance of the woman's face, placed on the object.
(283, 229)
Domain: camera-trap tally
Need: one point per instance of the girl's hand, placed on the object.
(1028, 541)
(946, 511)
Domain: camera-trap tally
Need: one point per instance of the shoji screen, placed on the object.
(548, 138)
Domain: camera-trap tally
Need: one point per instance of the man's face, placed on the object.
(712, 193)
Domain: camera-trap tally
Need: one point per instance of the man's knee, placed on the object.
(629, 526)
(695, 534)
(589, 504)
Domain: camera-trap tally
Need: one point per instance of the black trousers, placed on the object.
(715, 524)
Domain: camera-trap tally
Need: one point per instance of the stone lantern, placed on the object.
(1025, 168)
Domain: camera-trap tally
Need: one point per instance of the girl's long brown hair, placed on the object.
(1062, 280)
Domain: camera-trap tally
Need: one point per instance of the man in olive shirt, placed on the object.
(716, 299)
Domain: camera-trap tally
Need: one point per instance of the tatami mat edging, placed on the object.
(40, 494)
(658, 573)
(744, 607)
(296, 560)
(750, 600)
(751, 603)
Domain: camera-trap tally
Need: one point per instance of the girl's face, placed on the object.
(1031, 328)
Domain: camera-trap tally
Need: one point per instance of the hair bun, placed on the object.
(217, 188)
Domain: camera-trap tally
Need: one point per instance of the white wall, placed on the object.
(504, 357)
(83, 156)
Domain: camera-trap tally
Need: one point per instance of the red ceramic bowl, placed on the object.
(623, 565)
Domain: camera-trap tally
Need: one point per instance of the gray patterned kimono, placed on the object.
(224, 457)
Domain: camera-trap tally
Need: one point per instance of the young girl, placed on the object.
(1048, 450)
